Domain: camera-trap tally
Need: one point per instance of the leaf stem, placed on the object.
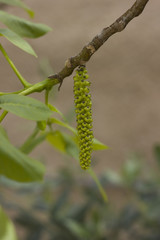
(23, 81)
(3, 115)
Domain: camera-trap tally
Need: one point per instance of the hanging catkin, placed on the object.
(83, 111)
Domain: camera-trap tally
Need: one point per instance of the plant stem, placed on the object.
(3, 115)
(23, 81)
(17, 92)
(46, 96)
(38, 87)
(90, 48)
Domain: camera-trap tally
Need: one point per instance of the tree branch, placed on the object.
(99, 40)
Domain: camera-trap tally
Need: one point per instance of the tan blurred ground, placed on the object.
(124, 74)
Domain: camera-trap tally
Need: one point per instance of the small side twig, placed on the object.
(88, 50)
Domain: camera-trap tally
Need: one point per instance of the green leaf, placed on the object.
(97, 145)
(54, 109)
(3, 132)
(17, 41)
(63, 143)
(20, 4)
(23, 27)
(25, 107)
(7, 231)
(56, 140)
(16, 165)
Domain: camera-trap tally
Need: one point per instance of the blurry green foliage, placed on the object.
(69, 207)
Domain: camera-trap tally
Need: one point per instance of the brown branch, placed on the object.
(99, 40)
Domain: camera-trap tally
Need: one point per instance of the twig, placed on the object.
(87, 50)
(99, 40)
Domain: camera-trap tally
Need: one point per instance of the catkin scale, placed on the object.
(83, 112)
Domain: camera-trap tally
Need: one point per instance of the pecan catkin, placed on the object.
(83, 111)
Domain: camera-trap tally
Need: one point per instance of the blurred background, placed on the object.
(124, 75)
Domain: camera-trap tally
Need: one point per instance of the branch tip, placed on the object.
(88, 50)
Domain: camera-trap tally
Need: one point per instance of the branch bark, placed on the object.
(88, 50)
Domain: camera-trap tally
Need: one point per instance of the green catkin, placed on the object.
(83, 111)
